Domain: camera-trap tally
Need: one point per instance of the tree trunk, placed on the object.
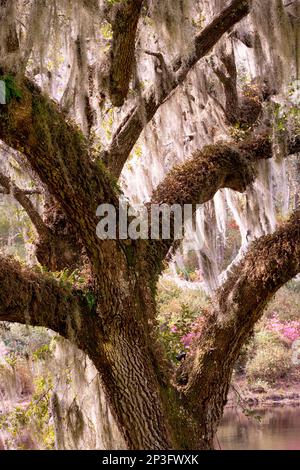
(122, 348)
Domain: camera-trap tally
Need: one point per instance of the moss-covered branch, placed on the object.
(132, 126)
(58, 153)
(205, 376)
(38, 299)
(223, 165)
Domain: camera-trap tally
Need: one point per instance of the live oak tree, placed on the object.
(112, 318)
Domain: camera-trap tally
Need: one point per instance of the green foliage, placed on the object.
(287, 114)
(21, 340)
(91, 300)
(269, 359)
(11, 360)
(171, 333)
(42, 353)
(113, 2)
(106, 31)
(178, 310)
(286, 303)
(239, 132)
(69, 278)
(65, 278)
(199, 22)
(107, 124)
(35, 417)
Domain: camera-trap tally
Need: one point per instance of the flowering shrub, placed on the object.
(189, 339)
(181, 336)
(178, 333)
(288, 331)
(180, 318)
(286, 303)
(269, 364)
(268, 354)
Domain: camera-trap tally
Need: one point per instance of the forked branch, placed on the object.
(133, 124)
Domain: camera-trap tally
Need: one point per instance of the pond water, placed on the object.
(276, 428)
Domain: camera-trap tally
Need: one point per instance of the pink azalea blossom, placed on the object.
(288, 331)
(187, 339)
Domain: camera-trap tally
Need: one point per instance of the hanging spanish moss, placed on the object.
(78, 53)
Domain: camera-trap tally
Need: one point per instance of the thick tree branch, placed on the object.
(223, 165)
(245, 37)
(204, 378)
(130, 129)
(124, 26)
(39, 300)
(56, 247)
(58, 153)
(241, 109)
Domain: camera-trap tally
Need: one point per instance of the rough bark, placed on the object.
(37, 299)
(34, 125)
(125, 16)
(241, 109)
(118, 334)
(117, 331)
(143, 400)
(228, 78)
